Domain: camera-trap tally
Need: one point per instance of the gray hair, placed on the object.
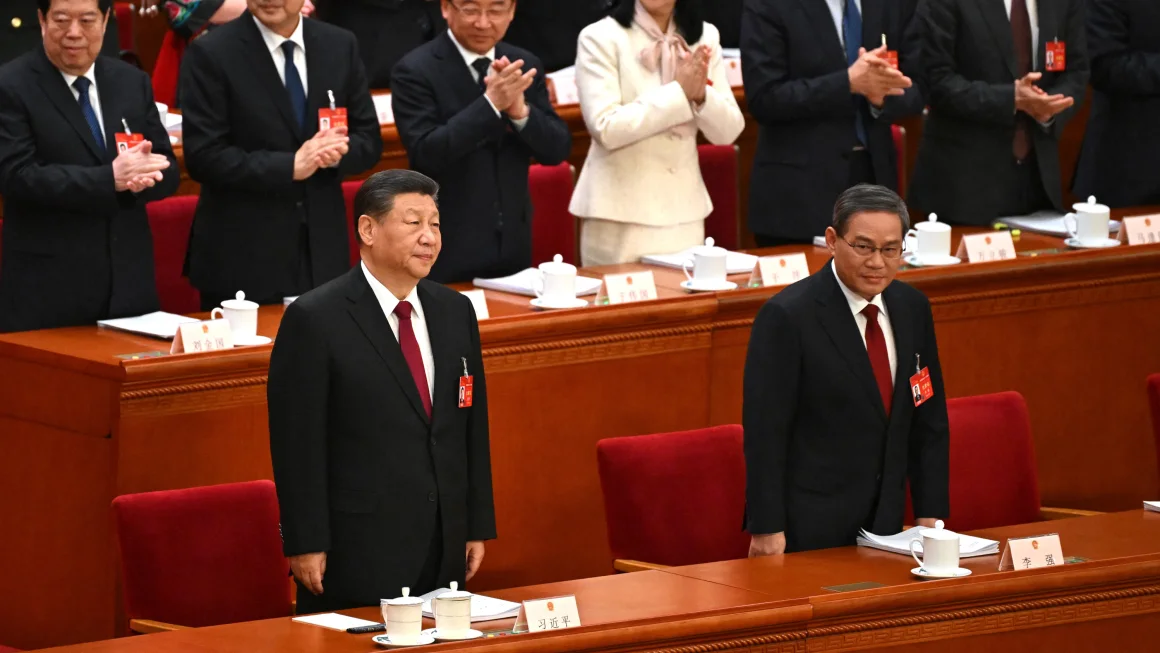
(376, 196)
(867, 198)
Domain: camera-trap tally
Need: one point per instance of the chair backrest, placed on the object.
(349, 189)
(167, 67)
(170, 221)
(675, 498)
(203, 556)
(719, 170)
(899, 133)
(124, 14)
(553, 226)
(1154, 401)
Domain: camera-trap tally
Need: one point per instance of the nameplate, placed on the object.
(540, 615)
(1032, 553)
(478, 302)
(196, 337)
(383, 109)
(563, 89)
(627, 288)
(982, 248)
(779, 270)
(1141, 230)
(733, 72)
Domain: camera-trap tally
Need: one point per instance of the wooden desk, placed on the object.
(1111, 602)
(79, 426)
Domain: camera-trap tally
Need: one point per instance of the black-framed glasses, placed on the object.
(891, 252)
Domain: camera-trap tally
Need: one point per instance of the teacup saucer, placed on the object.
(708, 286)
(1098, 244)
(465, 635)
(385, 640)
(251, 341)
(914, 260)
(578, 302)
(958, 573)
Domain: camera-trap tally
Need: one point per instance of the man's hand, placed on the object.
(766, 545)
(323, 150)
(138, 168)
(519, 106)
(309, 568)
(872, 77)
(693, 74)
(926, 522)
(506, 85)
(474, 558)
(1035, 102)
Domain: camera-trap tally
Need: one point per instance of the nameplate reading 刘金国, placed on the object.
(1032, 553)
(982, 248)
(1141, 230)
(196, 337)
(540, 615)
(779, 270)
(628, 288)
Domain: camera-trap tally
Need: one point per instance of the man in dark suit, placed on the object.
(1121, 149)
(472, 112)
(990, 146)
(550, 28)
(20, 31)
(386, 30)
(832, 431)
(383, 471)
(271, 217)
(77, 245)
(725, 15)
(825, 105)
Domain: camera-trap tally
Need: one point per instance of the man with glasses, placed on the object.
(833, 429)
(472, 112)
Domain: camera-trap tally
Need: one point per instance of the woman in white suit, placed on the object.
(650, 77)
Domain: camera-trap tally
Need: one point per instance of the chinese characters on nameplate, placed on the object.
(196, 337)
(1141, 230)
(779, 270)
(981, 248)
(542, 615)
(627, 288)
(1032, 553)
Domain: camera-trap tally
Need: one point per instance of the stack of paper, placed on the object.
(526, 281)
(969, 547)
(157, 325)
(334, 621)
(735, 262)
(1046, 222)
(1153, 506)
(483, 608)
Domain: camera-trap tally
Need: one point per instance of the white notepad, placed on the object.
(735, 262)
(158, 324)
(334, 621)
(1153, 506)
(969, 547)
(524, 282)
(1051, 223)
(483, 608)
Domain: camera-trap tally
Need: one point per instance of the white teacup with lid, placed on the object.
(404, 617)
(1090, 224)
(242, 314)
(933, 240)
(452, 612)
(556, 283)
(940, 551)
(708, 264)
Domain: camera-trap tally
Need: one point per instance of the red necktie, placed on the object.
(411, 352)
(879, 359)
(1021, 33)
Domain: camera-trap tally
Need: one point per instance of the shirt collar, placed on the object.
(388, 300)
(275, 41)
(469, 57)
(90, 75)
(857, 302)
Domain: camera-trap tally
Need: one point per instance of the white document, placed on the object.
(1046, 222)
(483, 608)
(1153, 506)
(735, 262)
(383, 109)
(334, 621)
(525, 282)
(157, 325)
(969, 547)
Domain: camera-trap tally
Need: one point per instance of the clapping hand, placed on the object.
(324, 150)
(506, 85)
(137, 168)
(872, 77)
(693, 73)
(1035, 102)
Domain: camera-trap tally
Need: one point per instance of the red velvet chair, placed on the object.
(674, 498)
(201, 557)
(719, 170)
(553, 226)
(166, 68)
(170, 221)
(349, 189)
(124, 13)
(900, 156)
(1154, 400)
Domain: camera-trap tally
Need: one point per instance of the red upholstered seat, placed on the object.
(1154, 400)
(124, 12)
(719, 170)
(170, 221)
(553, 226)
(203, 556)
(349, 189)
(900, 156)
(167, 67)
(675, 498)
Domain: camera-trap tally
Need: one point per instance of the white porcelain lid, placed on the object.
(405, 599)
(709, 249)
(557, 266)
(1090, 206)
(939, 533)
(240, 303)
(455, 593)
(932, 224)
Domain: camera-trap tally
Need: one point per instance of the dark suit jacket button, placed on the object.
(430, 496)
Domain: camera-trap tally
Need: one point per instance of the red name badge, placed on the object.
(331, 118)
(126, 141)
(891, 57)
(921, 388)
(465, 386)
(1056, 57)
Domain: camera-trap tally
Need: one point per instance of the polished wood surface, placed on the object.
(1111, 601)
(79, 426)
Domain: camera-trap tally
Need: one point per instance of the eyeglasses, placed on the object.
(474, 12)
(890, 252)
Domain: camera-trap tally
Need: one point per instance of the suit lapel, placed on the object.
(824, 28)
(447, 367)
(1048, 30)
(902, 323)
(995, 13)
(368, 314)
(54, 87)
(110, 109)
(838, 322)
(317, 83)
(266, 73)
(873, 20)
(454, 69)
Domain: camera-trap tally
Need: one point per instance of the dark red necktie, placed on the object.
(879, 359)
(411, 352)
(1021, 33)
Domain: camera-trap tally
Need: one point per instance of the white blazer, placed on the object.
(638, 170)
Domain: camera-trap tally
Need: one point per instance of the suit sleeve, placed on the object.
(156, 134)
(480, 504)
(432, 144)
(23, 178)
(1072, 82)
(769, 405)
(613, 122)
(770, 93)
(910, 61)
(929, 445)
(297, 398)
(210, 155)
(1116, 66)
(949, 91)
(366, 136)
(719, 118)
(546, 135)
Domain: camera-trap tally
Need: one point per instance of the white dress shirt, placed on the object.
(94, 96)
(857, 304)
(1033, 14)
(418, 321)
(274, 45)
(469, 58)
